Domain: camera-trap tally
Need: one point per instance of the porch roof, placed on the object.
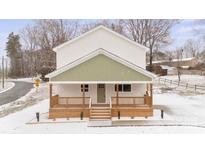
(101, 67)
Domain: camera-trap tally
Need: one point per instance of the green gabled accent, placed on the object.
(101, 68)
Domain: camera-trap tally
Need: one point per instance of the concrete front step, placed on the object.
(100, 117)
(99, 123)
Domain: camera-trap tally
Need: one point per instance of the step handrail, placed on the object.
(90, 103)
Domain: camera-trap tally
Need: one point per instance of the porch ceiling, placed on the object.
(101, 69)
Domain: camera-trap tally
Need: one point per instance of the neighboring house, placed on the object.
(183, 63)
(100, 74)
(157, 56)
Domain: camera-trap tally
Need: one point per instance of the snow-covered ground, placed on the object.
(22, 79)
(173, 87)
(7, 86)
(29, 99)
(183, 114)
(191, 79)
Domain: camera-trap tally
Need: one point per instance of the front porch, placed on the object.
(114, 106)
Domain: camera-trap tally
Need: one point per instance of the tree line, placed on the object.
(34, 43)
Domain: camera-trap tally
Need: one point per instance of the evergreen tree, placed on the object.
(13, 48)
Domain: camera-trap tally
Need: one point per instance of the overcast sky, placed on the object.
(179, 33)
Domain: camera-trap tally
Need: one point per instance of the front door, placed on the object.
(101, 93)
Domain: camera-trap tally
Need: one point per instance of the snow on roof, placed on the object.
(174, 60)
(167, 67)
(185, 67)
(184, 59)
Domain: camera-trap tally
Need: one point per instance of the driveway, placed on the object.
(20, 89)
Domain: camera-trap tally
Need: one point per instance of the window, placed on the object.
(101, 86)
(123, 88)
(85, 89)
(127, 87)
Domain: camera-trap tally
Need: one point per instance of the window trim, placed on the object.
(121, 88)
(86, 88)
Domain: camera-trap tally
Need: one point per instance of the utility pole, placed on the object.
(6, 69)
(3, 72)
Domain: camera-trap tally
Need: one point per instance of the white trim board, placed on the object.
(95, 29)
(106, 53)
(99, 82)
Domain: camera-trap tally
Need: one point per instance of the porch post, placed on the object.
(50, 94)
(117, 94)
(151, 94)
(147, 89)
(151, 89)
(83, 95)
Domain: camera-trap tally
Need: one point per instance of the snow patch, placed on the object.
(99, 123)
(183, 114)
(29, 99)
(191, 79)
(174, 60)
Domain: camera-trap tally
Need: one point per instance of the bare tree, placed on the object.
(40, 38)
(169, 54)
(48, 33)
(136, 29)
(115, 25)
(29, 37)
(179, 55)
(149, 32)
(191, 48)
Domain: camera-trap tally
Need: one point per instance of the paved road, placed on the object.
(20, 89)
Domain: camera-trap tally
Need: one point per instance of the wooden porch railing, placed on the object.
(133, 100)
(54, 101)
(73, 100)
(148, 100)
(78, 101)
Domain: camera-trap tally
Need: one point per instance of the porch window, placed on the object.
(127, 87)
(123, 88)
(85, 88)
